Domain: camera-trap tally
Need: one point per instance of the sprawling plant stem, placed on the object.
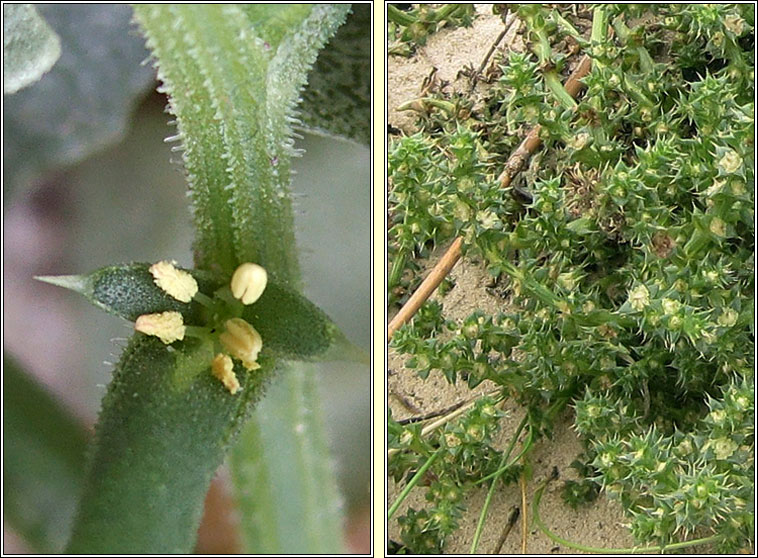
(233, 74)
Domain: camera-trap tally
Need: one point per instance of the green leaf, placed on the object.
(337, 100)
(43, 461)
(83, 103)
(164, 427)
(283, 479)
(129, 290)
(233, 84)
(30, 47)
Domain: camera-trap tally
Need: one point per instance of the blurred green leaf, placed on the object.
(30, 47)
(283, 481)
(43, 461)
(82, 104)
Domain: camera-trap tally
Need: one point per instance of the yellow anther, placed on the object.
(167, 326)
(242, 342)
(223, 368)
(177, 283)
(249, 282)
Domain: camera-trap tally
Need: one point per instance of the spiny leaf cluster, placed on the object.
(629, 265)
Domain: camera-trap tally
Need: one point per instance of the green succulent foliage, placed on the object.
(164, 413)
(629, 263)
(412, 28)
(467, 458)
(441, 187)
(238, 111)
(234, 74)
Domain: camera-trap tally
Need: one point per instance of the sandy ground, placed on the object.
(599, 525)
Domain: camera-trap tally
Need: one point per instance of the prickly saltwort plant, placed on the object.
(435, 194)
(465, 455)
(631, 271)
(412, 28)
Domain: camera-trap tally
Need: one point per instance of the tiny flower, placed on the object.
(452, 440)
(567, 280)
(579, 141)
(177, 283)
(476, 432)
(675, 322)
(730, 162)
(718, 227)
(167, 326)
(223, 368)
(735, 24)
(728, 317)
(670, 306)
(724, 448)
(685, 447)
(487, 219)
(249, 282)
(406, 437)
(242, 341)
(718, 416)
(738, 187)
(639, 298)
(715, 188)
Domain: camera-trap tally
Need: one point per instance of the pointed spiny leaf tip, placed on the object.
(249, 282)
(177, 283)
(242, 341)
(167, 326)
(223, 369)
(77, 283)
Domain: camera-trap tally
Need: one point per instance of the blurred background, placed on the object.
(88, 181)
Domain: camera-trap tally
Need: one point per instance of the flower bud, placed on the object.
(639, 297)
(242, 341)
(248, 282)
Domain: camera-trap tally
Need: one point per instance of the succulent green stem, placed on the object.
(413, 482)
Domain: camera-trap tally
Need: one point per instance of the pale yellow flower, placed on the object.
(728, 317)
(639, 298)
(718, 227)
(730, 162)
